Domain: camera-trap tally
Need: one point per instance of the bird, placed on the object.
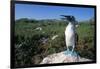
(71, 36)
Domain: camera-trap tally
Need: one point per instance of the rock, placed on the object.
(38, 28)
(55, 36)
(62, 58)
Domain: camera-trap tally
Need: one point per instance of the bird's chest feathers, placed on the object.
(70, 35)
(70, 30)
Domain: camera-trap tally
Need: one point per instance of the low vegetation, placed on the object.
(33, 40)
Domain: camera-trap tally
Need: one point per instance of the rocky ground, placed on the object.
(63, 58)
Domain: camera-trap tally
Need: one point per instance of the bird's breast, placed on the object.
(70, 35)
(70, 30)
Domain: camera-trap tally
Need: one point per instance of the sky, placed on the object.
(51, 12)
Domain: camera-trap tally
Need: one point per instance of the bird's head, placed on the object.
(71, 19)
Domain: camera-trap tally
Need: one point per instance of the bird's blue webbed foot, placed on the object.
(71, 53)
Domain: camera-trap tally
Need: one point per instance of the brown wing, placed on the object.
(76, 39)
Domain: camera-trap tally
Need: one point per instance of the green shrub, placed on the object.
(30, 48)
